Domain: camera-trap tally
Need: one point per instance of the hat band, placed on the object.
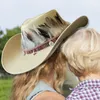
(42, 46)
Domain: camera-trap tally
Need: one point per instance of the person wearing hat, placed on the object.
(35, 57)
(82, 51)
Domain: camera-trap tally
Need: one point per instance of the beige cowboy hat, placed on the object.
(39, 38)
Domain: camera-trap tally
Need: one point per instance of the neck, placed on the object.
(49, 82)
(49, 79)
(90, 76)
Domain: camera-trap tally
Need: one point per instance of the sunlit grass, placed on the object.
(5, 88)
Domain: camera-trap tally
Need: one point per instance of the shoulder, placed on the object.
(49, 96)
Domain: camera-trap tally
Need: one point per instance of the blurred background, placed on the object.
(14, 12)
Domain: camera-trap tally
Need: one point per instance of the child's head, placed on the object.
(82, 51)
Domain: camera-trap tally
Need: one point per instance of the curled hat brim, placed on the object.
(15, 62)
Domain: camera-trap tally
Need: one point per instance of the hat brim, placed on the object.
(15, 62)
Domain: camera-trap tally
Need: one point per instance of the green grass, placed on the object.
(5, 89)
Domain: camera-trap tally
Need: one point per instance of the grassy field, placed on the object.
(5, 88)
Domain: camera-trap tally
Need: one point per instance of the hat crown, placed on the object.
(41, 29)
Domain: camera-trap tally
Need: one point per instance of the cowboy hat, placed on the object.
(39, 38)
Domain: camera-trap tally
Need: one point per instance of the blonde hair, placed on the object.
(23, 84)
(82, 51)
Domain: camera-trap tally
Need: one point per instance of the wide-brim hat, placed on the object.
(40, 37)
